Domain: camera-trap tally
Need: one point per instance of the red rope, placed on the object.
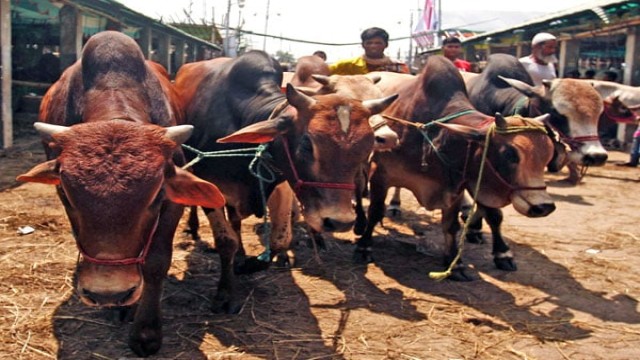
(120, 262)
(301, 183)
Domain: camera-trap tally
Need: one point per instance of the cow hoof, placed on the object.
(505, 263)
(145, 342)
(362, 256)
(462, 273)
(475, 238)
(251, 265)
(394, 211)
(285, 260)
(194, 234)
(223, 303)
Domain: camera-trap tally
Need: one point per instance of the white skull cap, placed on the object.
(541, 37)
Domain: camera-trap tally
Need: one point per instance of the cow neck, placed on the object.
(140, 259)
(299, 184)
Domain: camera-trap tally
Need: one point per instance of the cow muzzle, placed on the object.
(107, 286)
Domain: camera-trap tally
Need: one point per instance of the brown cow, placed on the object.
(111, 134)
(314, 143)
(437, 164)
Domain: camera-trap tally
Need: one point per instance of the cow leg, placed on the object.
(451, 228)
(227, 243)
(280, 212)
(502, 255)
(236, 224)
(394, 204)
(145, 336)
(377, 195)
(193, 224)
(474, 225)
(360, 193)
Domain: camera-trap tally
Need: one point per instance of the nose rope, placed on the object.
(299, 183)
(120, 262)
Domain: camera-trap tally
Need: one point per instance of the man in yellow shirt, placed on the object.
(374, 41)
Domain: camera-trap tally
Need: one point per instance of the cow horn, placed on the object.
(376, 106)
(322, 79)
(179, 134)
(523, 87)
(298, 99)
(49, 129)
(375, 78)
(501, 122)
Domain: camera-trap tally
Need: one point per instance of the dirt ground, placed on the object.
(575, 295)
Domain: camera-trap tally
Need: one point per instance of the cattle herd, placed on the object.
(128, 149)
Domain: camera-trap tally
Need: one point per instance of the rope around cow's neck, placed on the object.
(259, 168)
(441, 275)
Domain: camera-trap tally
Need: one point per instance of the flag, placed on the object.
(425, 33)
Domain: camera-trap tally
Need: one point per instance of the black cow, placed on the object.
(315, 144)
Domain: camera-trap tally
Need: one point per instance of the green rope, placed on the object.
(258, 167)
(441, 275)
(425, 127)
(220, 153)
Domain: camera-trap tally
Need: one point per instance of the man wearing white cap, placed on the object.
(540, 64)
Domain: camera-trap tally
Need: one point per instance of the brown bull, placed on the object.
(437, 164)
(111, 132)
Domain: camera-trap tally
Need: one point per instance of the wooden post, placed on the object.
(5, 93)
(70, 36)
(145, 41)
(164, 42)
(178, 55)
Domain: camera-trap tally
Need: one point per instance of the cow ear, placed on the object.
(187, 189)
(464, 130)
(260, 132)
(43, 173)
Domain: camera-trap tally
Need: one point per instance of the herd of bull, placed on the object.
(127, 149)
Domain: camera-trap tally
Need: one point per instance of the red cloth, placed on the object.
(462, 64)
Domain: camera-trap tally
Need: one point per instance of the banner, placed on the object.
(426, 32)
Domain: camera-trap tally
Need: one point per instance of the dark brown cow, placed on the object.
(111, 134)
(437, 165)
(315, 144)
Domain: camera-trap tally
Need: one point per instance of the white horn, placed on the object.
(180, 133)
(49, 129)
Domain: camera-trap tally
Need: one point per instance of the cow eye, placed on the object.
(305, 147)
(510, 154)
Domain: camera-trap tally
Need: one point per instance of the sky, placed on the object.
(342, 21)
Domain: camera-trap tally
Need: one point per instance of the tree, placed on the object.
(285, 57)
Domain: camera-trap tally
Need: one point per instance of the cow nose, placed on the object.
(335, 225)
(541, 210)
(597, 159)
(108, 298)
